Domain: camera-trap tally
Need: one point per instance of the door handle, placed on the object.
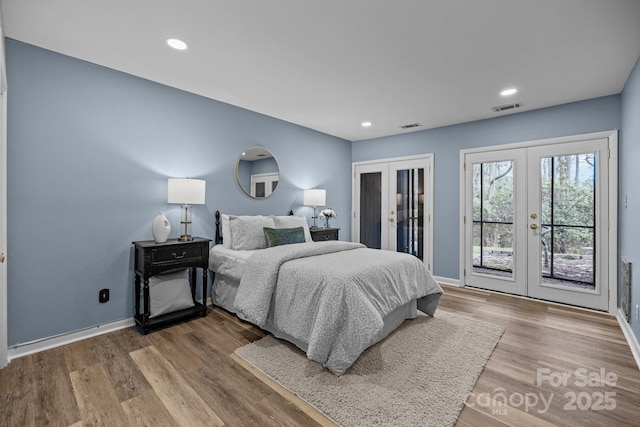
(534, 216)
(533, 226)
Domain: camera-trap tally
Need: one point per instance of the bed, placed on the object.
(333, 299)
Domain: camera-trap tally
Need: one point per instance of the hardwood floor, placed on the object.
(187, 374)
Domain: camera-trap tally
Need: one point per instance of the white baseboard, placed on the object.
(448, 281)
(630, 336)
(67, 338)
(71, 337)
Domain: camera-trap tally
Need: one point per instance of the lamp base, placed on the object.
(185, 237)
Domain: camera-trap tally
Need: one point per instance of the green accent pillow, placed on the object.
(283, 236)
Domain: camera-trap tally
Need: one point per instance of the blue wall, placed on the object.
(90, 150)
(629, 172)
(594, 115)
(89, 153)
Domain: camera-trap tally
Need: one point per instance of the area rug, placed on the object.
(420, 375)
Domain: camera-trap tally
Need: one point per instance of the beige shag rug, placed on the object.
(420, 375)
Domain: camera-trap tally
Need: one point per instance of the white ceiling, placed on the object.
(331, 64)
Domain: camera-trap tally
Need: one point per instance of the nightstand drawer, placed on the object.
(155, 258)
(177, 253)
(324, 234)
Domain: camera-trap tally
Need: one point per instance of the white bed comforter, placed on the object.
(332, 295)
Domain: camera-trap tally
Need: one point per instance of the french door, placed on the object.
(536, 221)
(392, 205)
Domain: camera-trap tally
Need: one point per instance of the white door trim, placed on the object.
(3, 233)
(612, 136)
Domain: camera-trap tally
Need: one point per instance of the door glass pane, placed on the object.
(410, 211)
(371, 209)
(493, 212)
(568, 234)
(260, 189)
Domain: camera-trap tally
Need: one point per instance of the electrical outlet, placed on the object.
(637, 312)
(103, 295)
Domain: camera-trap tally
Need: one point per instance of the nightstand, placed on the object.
(154, 258)
(324, 234)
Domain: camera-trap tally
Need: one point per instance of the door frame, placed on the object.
(612, 212)
(428, 203)
(4, 352)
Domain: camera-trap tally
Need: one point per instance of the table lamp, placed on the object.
(315, 197)
(187, 192)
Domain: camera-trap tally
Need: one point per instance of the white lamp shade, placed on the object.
(315, 197)
(186, 191)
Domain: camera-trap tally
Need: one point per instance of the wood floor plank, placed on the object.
(54, 398)
(170, 345)
(312, 412)
(173, 390)
(97, 400)
(147, 409)
(17, 393)
(80, 354)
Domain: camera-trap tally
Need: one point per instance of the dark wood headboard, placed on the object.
(218, 240)
(218, 229)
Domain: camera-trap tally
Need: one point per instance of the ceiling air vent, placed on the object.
(412, 125)
(506, 107)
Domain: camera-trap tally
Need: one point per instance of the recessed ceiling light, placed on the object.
(366, 124)
(508, 92)
(177, 44)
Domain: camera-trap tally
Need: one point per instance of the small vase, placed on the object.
(326, 222)
(160, 228)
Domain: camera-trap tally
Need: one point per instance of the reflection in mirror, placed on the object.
(257, 172)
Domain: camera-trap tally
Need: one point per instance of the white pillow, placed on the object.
(226, 231)
(169, 292)
(291, 221)
(247, 232)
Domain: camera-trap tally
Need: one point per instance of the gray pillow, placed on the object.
(169, 292)
(247, 232)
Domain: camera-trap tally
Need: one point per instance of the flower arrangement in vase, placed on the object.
(326, 214)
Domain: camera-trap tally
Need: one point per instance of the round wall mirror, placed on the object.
(257, 172)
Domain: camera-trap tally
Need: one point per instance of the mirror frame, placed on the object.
(248, 191)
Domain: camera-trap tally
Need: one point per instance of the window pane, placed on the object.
(573, 255)
(260, 189)
(493, 218)
(371, 209)
(546, 170)
(410, 211)
(497, 249)
(497, 191)
(568, 218)
(476, 191)
(573, 190)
